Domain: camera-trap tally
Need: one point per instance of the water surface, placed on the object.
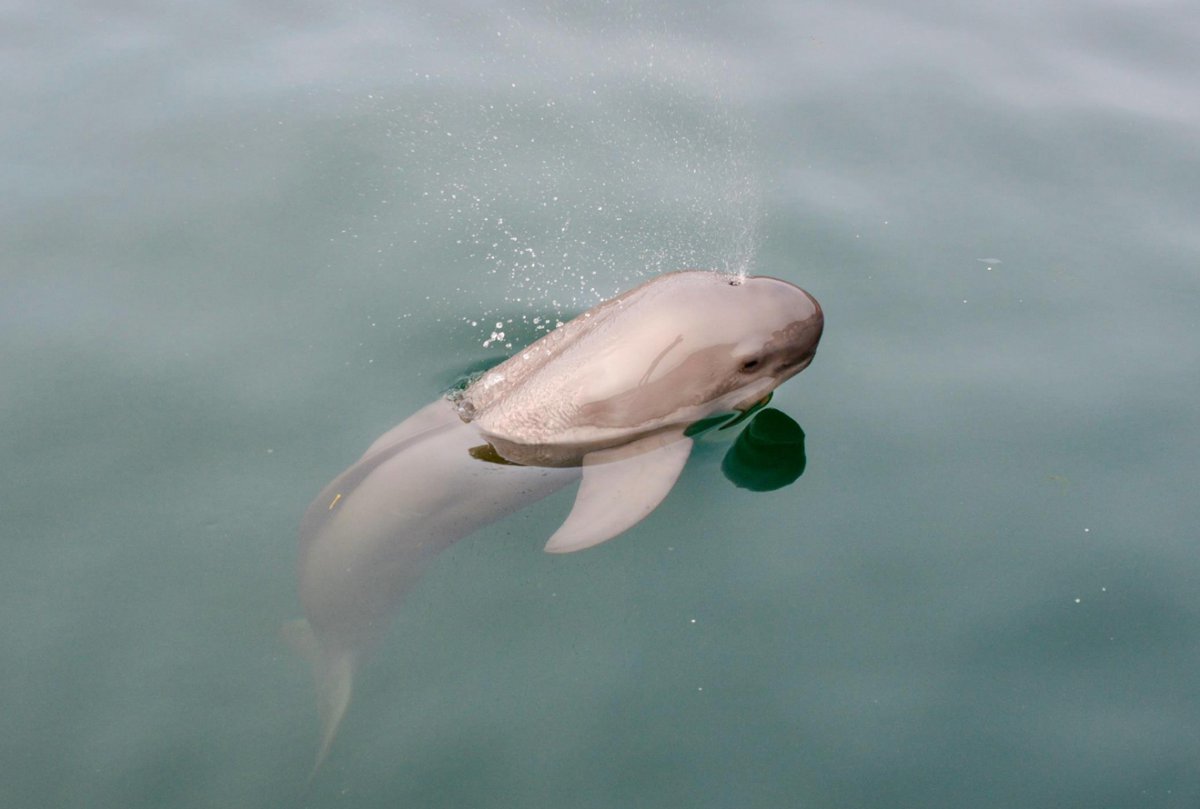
(243, 242)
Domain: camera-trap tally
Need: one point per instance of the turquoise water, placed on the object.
(241, 242)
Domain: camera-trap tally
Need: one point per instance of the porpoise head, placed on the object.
(677, 349)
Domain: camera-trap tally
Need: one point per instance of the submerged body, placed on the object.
(606, 398)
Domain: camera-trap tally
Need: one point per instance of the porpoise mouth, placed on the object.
(763, 402)
(793, 367)
(749, 407)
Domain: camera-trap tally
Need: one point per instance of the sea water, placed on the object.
(241, 241)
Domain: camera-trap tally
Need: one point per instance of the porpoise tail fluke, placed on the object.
(333, 676)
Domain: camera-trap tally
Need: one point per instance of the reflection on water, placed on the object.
(768, 454)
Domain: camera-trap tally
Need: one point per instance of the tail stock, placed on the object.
(333, 676)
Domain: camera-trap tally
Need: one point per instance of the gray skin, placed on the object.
(605, 398)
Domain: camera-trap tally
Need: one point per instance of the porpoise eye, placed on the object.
(750, 365)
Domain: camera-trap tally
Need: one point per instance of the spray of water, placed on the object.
(567, 163)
